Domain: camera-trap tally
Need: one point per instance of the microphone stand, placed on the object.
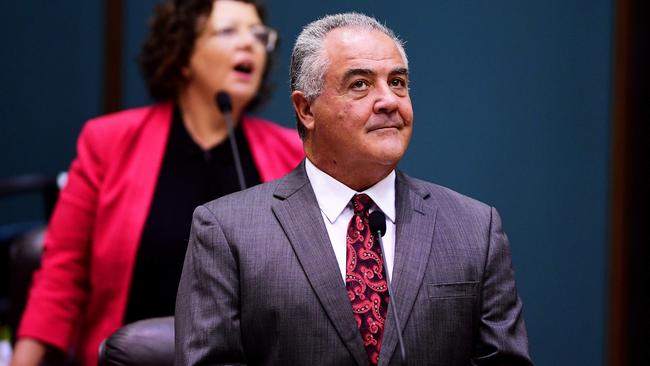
(224, 104)
(378, 225)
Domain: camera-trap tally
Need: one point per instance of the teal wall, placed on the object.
(50, 82)
(512, 106)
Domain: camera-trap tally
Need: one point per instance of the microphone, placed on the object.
(223, 102)
(377, 223)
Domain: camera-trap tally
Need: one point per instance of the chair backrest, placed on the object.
(21, 243)
(146, 342)
(25, 257)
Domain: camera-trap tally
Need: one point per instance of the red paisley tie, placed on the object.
(365, 278)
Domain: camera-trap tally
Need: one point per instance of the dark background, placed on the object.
(515, 104)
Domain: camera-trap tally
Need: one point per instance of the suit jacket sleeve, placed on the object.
(207, 306)
(502, 338)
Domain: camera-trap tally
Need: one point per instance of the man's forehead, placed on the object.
(357, 40)
(357, 47)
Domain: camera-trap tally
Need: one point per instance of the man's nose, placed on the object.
(387, 101)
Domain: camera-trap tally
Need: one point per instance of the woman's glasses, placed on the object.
(266, 36)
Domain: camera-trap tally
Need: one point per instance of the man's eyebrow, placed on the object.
(358, 72)
(400, 71)
(371, 73)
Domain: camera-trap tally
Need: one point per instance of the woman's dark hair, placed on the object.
(169, 45)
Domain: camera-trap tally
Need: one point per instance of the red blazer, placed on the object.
(80, 293)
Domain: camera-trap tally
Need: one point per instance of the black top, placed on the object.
(189, 176)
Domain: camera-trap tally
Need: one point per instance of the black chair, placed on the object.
(21, 243)
(25, 257)
(148, 342)
(47, 186)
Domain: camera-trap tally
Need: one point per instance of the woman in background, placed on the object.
(115, 246)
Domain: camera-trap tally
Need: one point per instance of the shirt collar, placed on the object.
(333, 196)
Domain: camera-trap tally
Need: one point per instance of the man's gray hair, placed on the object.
(309, 60)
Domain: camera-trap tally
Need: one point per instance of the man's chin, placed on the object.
(391, 152)
(388, 161)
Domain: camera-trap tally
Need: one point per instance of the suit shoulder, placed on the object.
(446, 197)
(246, 202)
(122, 122)
(458, 214)
(107, 133)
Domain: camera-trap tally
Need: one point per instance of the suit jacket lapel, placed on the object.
(415, 221)
(298, 213)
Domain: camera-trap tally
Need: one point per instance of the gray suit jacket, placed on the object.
(261, 284)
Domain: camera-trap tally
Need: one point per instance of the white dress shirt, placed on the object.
(334, 201)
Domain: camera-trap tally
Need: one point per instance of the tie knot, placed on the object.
(361, 203)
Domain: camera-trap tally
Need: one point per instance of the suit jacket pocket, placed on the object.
(453, 290)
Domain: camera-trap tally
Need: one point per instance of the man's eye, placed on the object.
(398, 83)
(360, 85)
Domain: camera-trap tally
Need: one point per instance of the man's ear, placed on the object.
(303, 109)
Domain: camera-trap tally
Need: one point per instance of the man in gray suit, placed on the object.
(289, 273)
